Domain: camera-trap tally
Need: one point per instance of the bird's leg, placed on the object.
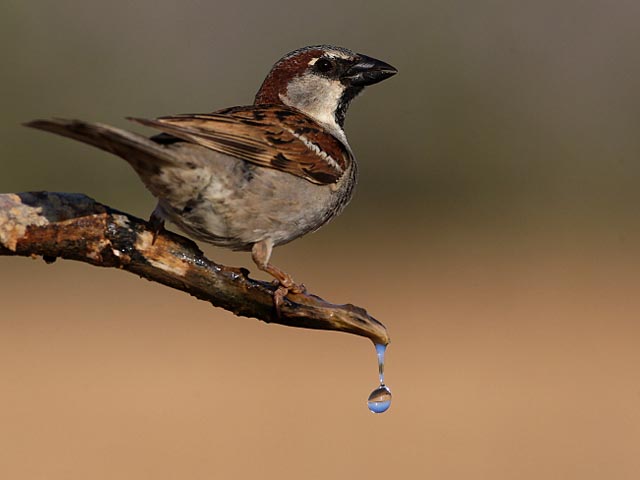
(261, 253)
(156, 222)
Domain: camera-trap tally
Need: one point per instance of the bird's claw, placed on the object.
(282, 290)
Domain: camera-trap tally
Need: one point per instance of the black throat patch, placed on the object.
(348, 95)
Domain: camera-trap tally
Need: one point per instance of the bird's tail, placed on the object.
(144, 155)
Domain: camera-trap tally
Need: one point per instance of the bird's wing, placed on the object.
(272, 136)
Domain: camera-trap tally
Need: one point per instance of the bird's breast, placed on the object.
(244, 204)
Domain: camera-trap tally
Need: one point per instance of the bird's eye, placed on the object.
(323, 65)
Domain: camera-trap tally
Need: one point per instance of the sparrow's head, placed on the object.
(321, 81)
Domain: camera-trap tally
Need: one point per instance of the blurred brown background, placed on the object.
(495, 232)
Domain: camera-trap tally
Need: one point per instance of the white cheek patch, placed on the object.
(316, 96)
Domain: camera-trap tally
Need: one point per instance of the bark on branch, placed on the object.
(76, 227)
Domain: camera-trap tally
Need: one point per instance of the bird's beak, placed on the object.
(367, 71)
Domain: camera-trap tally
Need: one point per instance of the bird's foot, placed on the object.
(261, 252)
(156, 224)
(285, 286)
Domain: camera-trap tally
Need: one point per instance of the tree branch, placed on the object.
(76, 227)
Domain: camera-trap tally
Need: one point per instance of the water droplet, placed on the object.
(380, 399)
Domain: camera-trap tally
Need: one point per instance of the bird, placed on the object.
(254, 177)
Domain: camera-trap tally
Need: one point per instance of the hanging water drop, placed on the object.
(380, 399)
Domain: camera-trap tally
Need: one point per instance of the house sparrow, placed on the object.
(252, 177)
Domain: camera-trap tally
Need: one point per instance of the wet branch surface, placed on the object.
(76, 227)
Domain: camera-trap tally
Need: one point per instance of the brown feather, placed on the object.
(273, 136)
